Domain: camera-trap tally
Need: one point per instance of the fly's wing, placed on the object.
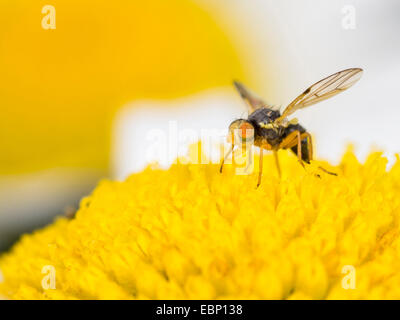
(253, 101)
(324, 89)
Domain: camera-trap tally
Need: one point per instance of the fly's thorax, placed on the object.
(275, 130)
(264, 115)
(273, 135)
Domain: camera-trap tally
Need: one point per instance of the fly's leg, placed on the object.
(278, 167)
(291, 140)
(328, 172)
(295, 138)
(310, 154)
(260, 168)
(226, 157)
(309, 146)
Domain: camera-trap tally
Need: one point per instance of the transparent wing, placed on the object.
(324, 89)
(254, 102)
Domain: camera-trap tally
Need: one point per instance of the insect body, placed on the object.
(268, 129)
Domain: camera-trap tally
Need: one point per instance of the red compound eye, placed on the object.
(243, 127)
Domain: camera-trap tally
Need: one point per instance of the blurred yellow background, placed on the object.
(59, 89)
